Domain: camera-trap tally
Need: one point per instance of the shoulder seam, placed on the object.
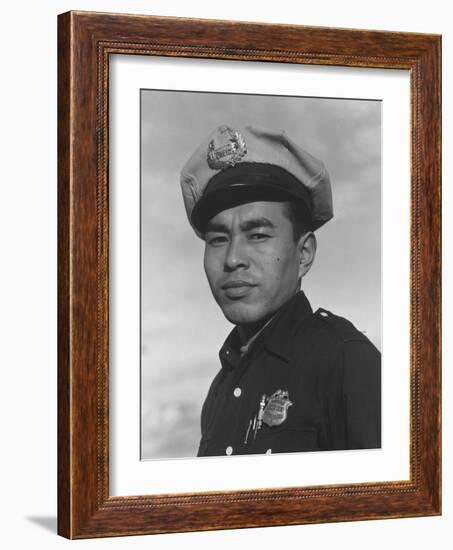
(355, 335)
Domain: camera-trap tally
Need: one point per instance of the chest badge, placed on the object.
(276, 408)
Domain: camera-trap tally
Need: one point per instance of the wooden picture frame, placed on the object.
(85, 41)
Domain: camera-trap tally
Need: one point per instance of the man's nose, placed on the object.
(236, 255)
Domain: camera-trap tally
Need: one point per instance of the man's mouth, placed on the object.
(237, 288)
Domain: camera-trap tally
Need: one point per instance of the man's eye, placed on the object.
(259, 236)
(216, 241)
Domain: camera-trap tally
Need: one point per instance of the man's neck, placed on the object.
(249, 331)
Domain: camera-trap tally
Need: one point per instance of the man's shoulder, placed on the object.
(337, 327)
(335, 340)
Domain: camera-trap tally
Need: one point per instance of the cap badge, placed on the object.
(226, 149)
(276, 409)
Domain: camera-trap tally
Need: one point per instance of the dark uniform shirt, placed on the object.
(330, 371)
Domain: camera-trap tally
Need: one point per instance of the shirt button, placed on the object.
(229, 450)
(237, 392)
(269, 452)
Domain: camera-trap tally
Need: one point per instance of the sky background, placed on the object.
(182, 326)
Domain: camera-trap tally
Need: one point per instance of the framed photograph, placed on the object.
(249, 275)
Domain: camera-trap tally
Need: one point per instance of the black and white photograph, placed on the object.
(260, 274)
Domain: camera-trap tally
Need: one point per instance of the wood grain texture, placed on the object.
(64, 369)
(85, 42)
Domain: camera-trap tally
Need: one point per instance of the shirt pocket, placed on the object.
(286, 439)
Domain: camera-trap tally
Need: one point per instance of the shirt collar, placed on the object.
(277, 336)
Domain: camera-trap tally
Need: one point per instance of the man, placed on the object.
(291, 379)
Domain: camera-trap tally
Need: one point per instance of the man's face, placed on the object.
(251, 260)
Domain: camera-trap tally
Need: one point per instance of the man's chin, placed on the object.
(240, 313)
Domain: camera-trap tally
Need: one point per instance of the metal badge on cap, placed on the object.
(226, 149)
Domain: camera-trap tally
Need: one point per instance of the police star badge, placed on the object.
(276, 409)
(226, 148)
(272, 411)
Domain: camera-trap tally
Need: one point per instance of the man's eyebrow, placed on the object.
(256, 223)
(216, 227)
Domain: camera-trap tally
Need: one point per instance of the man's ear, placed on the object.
(307, 251)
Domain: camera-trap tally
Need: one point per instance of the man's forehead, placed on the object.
(258, 210)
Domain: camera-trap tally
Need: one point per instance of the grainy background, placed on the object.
(182, 326)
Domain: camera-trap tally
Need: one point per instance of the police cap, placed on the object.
(233, 167)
